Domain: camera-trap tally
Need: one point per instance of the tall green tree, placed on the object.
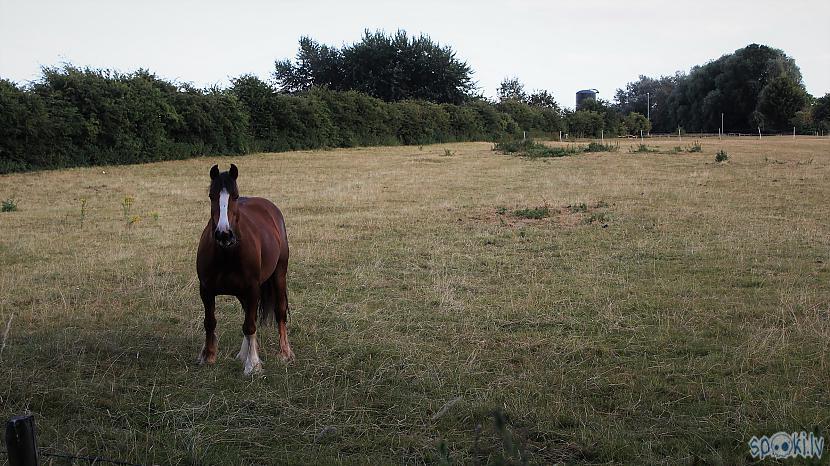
(390, 67)
(779, 102)
(638, 95)
(732, 85)
(511, 89)
(635, 123)
(821, 112)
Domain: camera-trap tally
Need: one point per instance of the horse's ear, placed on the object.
(234, 172)
(214, 172)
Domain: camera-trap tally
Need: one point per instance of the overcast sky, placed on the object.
(558, 46)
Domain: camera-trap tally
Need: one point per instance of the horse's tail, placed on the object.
(268, 300)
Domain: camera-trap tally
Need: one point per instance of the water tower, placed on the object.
(585, 94)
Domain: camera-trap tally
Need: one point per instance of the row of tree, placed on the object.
(385, 89)
(75, 117)
(756, 87)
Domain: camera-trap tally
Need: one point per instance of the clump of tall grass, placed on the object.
(597, 147)
(535, 213)
(126, 206)
(530, 148)
(640, 148)
(696, 147)
(9, 205)
(578, 208)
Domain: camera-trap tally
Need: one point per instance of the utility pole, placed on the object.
(721, 124)
(648, 109)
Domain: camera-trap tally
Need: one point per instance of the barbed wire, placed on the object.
(91, 459)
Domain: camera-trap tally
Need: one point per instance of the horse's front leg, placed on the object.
(208, 353)
(248, 353)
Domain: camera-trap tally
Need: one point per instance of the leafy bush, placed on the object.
(535, 213)
(75, 117)
(696, 147)
(721, 156)
(578, 208)
(597, 147)
(641, 148)
(9, 205)
(530, 148)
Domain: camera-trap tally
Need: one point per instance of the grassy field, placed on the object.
(448, 304)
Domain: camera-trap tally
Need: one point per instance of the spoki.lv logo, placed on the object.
(782, 445)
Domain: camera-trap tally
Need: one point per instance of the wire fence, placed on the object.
(22, 449)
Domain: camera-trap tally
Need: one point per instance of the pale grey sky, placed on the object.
(558, 46)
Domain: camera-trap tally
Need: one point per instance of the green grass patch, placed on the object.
(9, 205)
(642, 148)
(533, 149)
(533, 212)
(598, 147)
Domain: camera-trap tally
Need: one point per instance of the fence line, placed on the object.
(91, 459)
(22, 449)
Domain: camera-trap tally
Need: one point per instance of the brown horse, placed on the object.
(244, 253)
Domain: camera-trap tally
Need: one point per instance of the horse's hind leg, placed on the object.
(282, 312)
(208, 353)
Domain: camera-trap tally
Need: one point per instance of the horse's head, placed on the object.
(224, 212)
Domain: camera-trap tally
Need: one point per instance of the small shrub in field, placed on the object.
(448, 153)
(126, 205)
(533, 212)
(597, 147)
(501, 210)
(641, 148)
(696, 147)
(677, 149)
(83, 210)
(578, 208)
(721, 156)
(9, 205)
(596, 217)
(529, 148)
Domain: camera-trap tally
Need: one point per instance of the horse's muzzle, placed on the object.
(225, 239)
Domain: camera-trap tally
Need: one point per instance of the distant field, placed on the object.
(665, 310)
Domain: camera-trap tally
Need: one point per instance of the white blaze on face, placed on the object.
(223, 211)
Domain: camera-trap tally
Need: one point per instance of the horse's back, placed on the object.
(261, 207)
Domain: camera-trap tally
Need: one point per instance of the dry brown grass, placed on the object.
(696, 318)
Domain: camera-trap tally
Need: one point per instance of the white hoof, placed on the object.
(242, 355)
(252, 368)
(248, 355)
